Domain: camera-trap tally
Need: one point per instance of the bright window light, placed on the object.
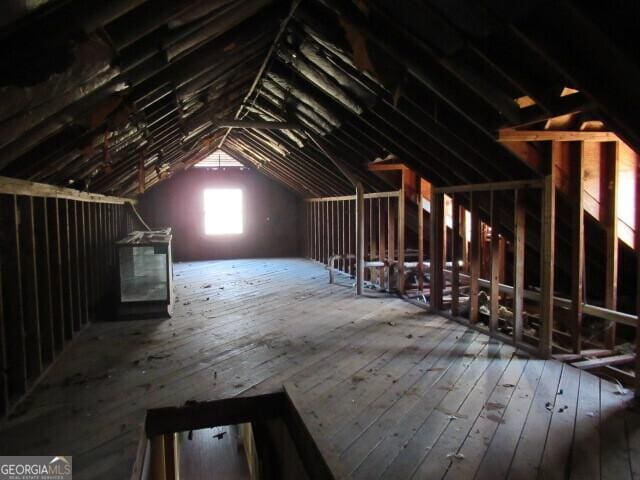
(222, 211)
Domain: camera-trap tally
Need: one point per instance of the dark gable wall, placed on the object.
(271, 215)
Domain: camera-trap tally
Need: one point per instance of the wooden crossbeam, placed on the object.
(386, 167)
(490, 187)
(511, 135)
(259, 125)
(602, 362)
(14, 186)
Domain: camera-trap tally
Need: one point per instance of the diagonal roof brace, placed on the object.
(259, 125)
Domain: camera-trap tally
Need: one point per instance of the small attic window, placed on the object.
(219, 160)
(223, 212)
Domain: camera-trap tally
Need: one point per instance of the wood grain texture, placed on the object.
(392, 391)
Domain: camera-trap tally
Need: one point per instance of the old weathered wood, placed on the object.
(464, 240)
(359, 238)
(259, 125)
(611, 267)
(547, 255)
(577, 243)
(490, 187)
(29, 276)
(82, 259)
(401, 240)
(56, 284)
(4, 381)
(418, 188)
(637, 299)
(601, 362)
(67, 277)
(12, 296)
(456, 245)
(75, 264)
(474, 270)
(436, 230)
(157, 458)
(368, 377)
(43, 267)
(510, 135)
(14, 186)
(494, 291)
(391, 235)
(382, 239)
(519, 235)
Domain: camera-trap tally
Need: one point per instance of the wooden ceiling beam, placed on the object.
(511, 135)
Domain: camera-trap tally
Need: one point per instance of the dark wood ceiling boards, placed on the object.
(93, 94)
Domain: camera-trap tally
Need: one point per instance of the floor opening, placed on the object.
(244, 438)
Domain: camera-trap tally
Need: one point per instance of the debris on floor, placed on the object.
(495, 418)
(457, 456)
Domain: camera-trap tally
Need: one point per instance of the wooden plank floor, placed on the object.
(391, 391)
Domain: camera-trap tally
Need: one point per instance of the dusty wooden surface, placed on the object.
(391, 391)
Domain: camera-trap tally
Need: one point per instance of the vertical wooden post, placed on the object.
(4, 367)
(494, 289)
(637, 248)
(382, 241)
(519, 231)
(325, 226)
(391, 239)
(316, 222)
(436, 231)
(314, 216)
(75, 267)
(611, 276)
(464, 241)
(56, 280)
(455, 255)
(359, 238)
(345, 245)
(170, 456)
(90, 241)
(474, 267)
(339, 234)
(547, 256)
(29, 286)
(42, 253)
(63, 211)
(349, 236)
(332, 228)
(13, 318)
(373, 245)
(158, 465)
(420, 233)
(401, 226)
(577, 244)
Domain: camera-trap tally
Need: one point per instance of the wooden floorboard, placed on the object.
(387, 390)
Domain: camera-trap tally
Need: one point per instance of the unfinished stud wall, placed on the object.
(271, 215)
(57, 270)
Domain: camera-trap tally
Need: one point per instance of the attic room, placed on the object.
(319, 239)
